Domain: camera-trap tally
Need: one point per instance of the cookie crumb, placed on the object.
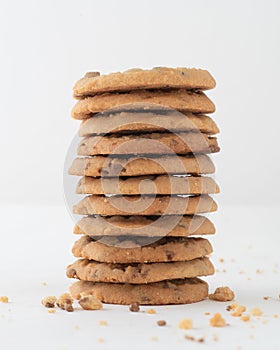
(191, 338)
(151, 311)
(154, 338)
(49, 301)
(52, 311)
(88, 302)
(245, 318)
(207, 313)
(186, 323)
(222, 294)
(103, 323)
(100, 340)
(65, 302)
(259, 271)
(4, 299)
(275, 316)
(217, 321)
(238, 310)
(222, 260)
(215, 337)
(251, 336)
(134, 307)
(161, 323)
(44, 284)
(265, 298)
(256, 312)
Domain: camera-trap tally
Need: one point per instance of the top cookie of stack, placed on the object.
(140, 128)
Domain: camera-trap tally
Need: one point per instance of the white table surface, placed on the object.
(36, 247)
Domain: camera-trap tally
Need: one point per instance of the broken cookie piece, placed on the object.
(222, 294)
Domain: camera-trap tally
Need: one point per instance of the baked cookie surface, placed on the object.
(182, 291)
(132, 122)
(161, 184)
(88, 270)
(144, 205)
(115, 250)
(181, 100)
(158, 77)
(174, 226)
(154, 143)
(136, 166)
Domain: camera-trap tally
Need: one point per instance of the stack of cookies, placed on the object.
(144, 162)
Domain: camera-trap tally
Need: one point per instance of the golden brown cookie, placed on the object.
(157, 184)
(182, 291)
(115, 250)
(158, 77)
(88, 270)
(154, 143)
(135, 166)
(133, 122)
(181, 100)
(144, 205)
(171, 225)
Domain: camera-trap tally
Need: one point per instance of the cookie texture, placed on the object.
(161, 184)
(144, 205)
(135, 166)
(130, 251)
(181, 100)
(133, 122)
(154, 143)
(159, 77)
(182, 291)
(88, 270)
(175, 226)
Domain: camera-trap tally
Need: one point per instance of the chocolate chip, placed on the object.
(161, 323)
(71, 273)
(134, 307)
(169, 254)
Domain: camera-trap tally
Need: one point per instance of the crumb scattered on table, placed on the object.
(238, 310)
(88, 302)
(134, 307)
(4, 299)
(52, 311)
(49, 301)
(103, 323)
(256, 311)
(161, 323)
(186, 323)
(151, 311)
(65, 302)
(245, 318)
(217, 320)
(222, 294)
(192, 338)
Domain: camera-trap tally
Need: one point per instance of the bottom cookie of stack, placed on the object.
(180, 291)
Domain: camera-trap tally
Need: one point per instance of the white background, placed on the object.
(45, 47)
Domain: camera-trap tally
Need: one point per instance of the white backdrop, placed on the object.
(47, 45)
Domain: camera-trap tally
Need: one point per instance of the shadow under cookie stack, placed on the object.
(145, 179)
